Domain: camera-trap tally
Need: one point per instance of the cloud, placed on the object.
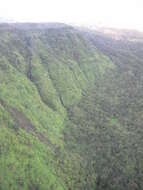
(112, 13)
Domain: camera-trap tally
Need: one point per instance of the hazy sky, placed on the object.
(111, 13)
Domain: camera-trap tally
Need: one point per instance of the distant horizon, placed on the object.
(110, 14)
(89, 26)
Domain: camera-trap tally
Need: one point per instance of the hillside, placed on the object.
(70, 109)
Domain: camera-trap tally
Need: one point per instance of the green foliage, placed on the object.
(70, 110)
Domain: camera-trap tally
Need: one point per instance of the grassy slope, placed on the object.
(70, 118)
(42, 73)
(105, 127)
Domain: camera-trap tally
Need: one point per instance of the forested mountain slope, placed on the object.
(71, 109)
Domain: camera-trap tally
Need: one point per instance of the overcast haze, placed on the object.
(109, 13)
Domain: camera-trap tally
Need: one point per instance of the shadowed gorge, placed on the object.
(71, 108)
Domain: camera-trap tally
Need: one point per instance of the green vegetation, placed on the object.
(70, 110)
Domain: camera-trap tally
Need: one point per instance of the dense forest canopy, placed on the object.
(71, 108)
